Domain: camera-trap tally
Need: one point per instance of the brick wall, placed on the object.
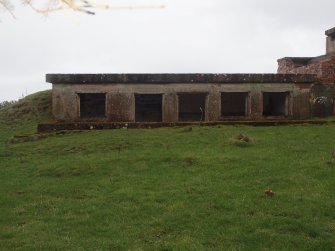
(328, 71)
(323, 68)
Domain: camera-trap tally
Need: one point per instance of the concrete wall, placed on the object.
(120, 99)
(330, 45)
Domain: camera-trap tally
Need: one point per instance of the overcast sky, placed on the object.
(187, 36)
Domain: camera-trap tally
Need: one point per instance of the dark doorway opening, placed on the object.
(148, 107)
(234, 104)
(192, 106)
(275, 104)
(92, 105)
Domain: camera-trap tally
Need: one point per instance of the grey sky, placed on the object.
(188, 36)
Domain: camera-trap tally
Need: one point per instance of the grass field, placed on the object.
(184, 188)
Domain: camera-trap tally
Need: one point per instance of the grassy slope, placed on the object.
(166, 189)
(23, 116)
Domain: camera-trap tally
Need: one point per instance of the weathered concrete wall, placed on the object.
(65, 103)
(170, 106)
(330, 44)
(120, 100)
(301, 103)
(120, 107)
(213, 107)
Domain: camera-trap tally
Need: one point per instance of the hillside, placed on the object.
(183, 188)
(23, 115)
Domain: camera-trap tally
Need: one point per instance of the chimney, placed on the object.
(330, 46)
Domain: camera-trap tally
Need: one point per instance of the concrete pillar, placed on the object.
(170, 107)
(256, 105)
(213, 106)
(120, 107)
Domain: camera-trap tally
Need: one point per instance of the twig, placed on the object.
(84, 6)
(5, 5)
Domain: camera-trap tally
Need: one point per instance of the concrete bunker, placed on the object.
(275, 104)
(148, 107)
(296, 92)
(92, 105)
(234, 104)
(172, 98)
(191, 106)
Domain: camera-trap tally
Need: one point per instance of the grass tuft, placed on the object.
(241, 140)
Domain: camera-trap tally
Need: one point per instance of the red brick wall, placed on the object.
(324, 69)
(328, 71)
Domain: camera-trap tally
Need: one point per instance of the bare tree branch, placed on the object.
(85, 6)
(7, 6)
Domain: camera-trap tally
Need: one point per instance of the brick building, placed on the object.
(323, 67)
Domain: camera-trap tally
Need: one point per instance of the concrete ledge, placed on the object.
(178, 78)
(54, 127)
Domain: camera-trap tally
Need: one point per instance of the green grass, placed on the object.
(165, 189)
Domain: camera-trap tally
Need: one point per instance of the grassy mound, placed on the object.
(22, 117)
(34, 107)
